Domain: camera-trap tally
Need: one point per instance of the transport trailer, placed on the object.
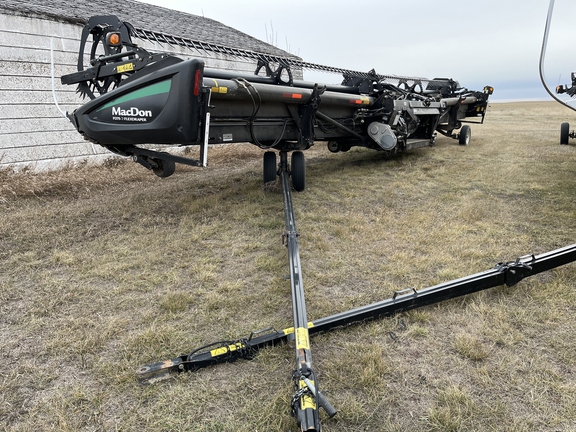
(565, 133)
(570, 89)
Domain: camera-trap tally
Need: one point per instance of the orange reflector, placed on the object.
(292, 95)
(114, 39)
(356, 101)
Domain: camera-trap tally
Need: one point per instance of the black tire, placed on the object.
(165, 168)
(298, 171)
(564, 133)
(269, 167)
(333, 146)
(465, 135)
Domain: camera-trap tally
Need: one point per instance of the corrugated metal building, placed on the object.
(40, 38)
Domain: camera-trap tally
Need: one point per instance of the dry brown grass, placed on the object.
(104, 270)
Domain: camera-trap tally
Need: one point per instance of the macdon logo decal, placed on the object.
(132, 114)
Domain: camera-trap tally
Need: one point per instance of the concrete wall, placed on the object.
(33, 133)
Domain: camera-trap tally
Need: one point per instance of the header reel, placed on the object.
(112, 57)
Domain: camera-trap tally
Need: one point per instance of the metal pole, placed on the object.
(509, 274)
(304, 406)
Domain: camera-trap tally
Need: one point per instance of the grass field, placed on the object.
(107, 269)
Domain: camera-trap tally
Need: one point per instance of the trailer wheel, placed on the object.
(333, 146)
(464, 135)
(269, 167)
(298, 171)
(165, 168)
(564, 133)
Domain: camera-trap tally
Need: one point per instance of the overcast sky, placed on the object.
(478, 43)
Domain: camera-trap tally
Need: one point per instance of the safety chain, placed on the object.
(298, 395)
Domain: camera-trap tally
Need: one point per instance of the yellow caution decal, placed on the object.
(306, 401)
(128, 67)
(226, 349)
(290, 330)
(302, 339)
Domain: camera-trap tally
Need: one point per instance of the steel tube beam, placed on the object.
(502, 274)
(304, 402)
(238, 89)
